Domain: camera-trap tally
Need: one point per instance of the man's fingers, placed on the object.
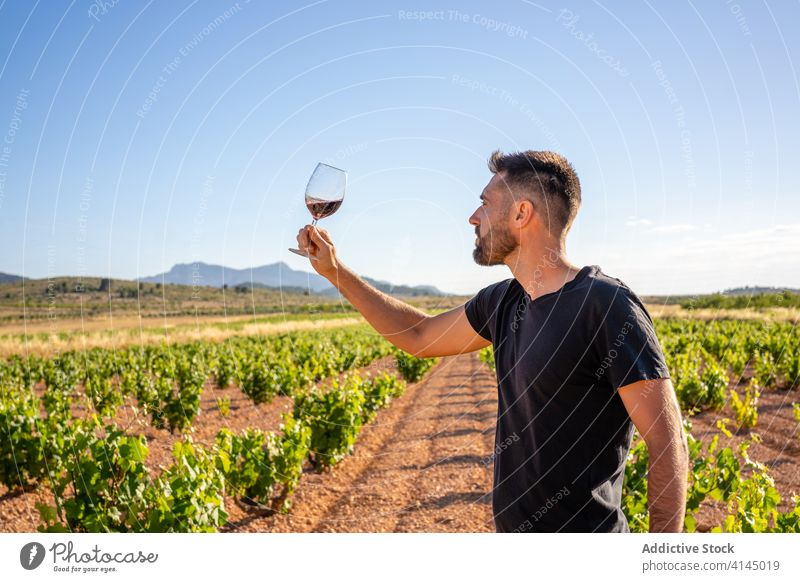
(313, 239)
(320, 235)
(302, 238)
(325, 236)
(316, 235)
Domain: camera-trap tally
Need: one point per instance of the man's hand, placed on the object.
(317, 243)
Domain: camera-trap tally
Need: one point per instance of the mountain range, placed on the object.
(278, 275)
(6, 278)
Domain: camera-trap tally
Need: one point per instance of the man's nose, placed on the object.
(473, 220)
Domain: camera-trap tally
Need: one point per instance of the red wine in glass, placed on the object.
(324, 195)
(322, 208)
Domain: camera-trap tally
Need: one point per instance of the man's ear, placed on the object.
(523, 213)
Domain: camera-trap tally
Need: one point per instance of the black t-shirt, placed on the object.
(563, 433)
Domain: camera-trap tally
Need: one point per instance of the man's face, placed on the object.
(494, 239)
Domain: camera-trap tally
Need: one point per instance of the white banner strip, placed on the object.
(348, 557)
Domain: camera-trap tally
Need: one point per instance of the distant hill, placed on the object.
(6, 278)
(204, 275)
(391, 289)
(275, 275)
(286, 288)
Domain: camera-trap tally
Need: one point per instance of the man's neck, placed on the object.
(541, 267)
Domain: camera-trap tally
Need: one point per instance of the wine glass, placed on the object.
(324, 195)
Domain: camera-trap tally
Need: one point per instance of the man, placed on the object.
(577, 359)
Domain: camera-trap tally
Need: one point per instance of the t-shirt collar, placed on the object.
(582, 274)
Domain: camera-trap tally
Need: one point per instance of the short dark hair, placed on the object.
(551, 176)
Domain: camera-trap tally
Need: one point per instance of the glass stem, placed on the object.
(314, 222)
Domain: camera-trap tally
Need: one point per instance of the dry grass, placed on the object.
(791, 315)
(106, 322)
(121, 337)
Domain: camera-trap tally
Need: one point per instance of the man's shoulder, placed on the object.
(606, 288)
(613, 294)
(496, 290)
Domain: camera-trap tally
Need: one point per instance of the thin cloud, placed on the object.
(703, 262)
(672, 228)
(634, 221)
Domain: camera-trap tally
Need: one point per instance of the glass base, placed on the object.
(303, 254)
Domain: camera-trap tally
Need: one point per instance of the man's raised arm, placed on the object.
(405, 326)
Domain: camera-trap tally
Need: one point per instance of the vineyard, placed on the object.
(58, 421)
(137, 439)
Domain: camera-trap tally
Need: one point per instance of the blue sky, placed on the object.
(136, 135)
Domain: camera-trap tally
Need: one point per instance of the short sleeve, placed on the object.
(481, 310)
(627, 346)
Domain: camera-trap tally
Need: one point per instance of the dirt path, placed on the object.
(422, 465)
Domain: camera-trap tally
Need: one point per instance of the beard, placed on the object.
(497, 246)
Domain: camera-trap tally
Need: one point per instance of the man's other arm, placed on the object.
(654, 410)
